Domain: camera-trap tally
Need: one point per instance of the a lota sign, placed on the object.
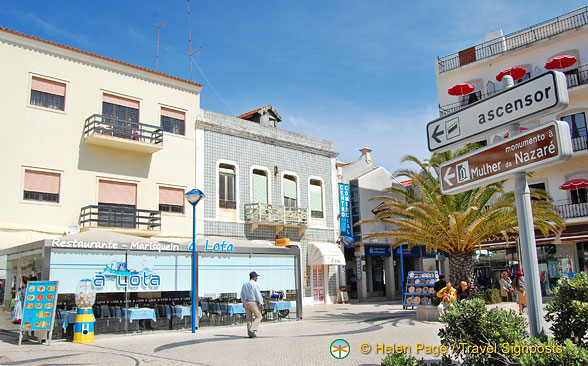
(546, 93)
(521, 153)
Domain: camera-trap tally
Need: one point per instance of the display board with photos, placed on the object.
(39, 306)
(419, 288)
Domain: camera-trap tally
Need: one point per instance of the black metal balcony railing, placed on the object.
(110, 126)
(537, 32)
(115, 216)
(573, 210)
(454, 107)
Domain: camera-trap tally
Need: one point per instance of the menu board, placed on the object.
(39, 306)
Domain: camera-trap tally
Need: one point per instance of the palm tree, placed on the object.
(455, 224)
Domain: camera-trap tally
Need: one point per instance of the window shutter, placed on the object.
(259, 188)
(173, 114)
(223, 170)
(171, 196)
(289, 188)
(316, 197)
(109, 98)
(48, 86)
(117, 192)
(43, 182)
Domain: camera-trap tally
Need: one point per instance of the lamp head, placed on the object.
(194, 196)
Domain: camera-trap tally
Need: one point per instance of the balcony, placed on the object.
(121, 134)
(580, 143)
(125, 220)
(577, 76)
(257, 214)
(519, 39)
(573, 210)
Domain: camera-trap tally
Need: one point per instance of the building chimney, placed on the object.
(366, 154)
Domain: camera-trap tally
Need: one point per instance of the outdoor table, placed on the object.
(233, 308)
(68, 317)
(140, 314)
(277, 306)
(182, 311)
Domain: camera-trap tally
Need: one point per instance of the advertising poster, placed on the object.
(39, 306)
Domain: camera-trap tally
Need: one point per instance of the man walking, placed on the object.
(251, 298)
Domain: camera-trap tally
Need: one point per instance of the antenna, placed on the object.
(189, 41)
(157, 55)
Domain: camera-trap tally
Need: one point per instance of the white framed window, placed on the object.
(290, 192)
(260, 185)
(171, 199)
(173, 121)
(41, 185)
(47, 93)
(227, 197)
(316, 193)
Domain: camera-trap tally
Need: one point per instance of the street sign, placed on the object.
(544, 145)
(546, 93)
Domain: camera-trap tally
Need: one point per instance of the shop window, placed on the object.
(41, 186)
(577, 124)
(47, 93)
(290, 191)
(171, 200)
(226, 187)
(316, 199)
(259, 181)
(173, 121)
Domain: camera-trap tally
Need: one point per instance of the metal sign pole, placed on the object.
(527, 241)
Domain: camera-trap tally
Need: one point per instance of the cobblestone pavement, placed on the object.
(305, 342)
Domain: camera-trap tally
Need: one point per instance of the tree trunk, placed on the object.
(462, 269)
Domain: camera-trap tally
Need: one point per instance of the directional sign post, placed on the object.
(545, 145)
(543, 94)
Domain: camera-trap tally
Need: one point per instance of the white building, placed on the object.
(530, 49)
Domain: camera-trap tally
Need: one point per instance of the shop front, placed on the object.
(146, 285)
(323, 261)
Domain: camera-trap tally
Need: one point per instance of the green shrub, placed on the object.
(400, 359)
(568, 310)
(470, 323)
(567, 354)
(492, 296)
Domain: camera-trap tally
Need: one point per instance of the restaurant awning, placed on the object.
(325, 253)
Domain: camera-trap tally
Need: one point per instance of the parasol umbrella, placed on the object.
(516, 73)
(574, 184)
(561, 62)
(461, 89)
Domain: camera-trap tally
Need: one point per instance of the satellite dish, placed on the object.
(72, 229)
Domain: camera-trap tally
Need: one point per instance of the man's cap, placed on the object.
(253, 274)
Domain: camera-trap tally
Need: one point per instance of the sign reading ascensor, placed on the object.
(541, 146)
(546, 93)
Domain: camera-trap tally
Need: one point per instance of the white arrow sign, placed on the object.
(546, 93)
(448, 176)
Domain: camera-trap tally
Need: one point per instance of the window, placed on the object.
(474, 96)
(316, 199)
(577, 124)
(47, 93)
(226, 187)
(117, 203)
(490, 88)
(259, 186)
(41, 186)
(122, 110)
(540, 186)
(526, 77)
(290, 191)
(171, 200)
(173, 121)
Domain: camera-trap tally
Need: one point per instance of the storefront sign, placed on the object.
(344, 209)
(124, 277)
(152, 247)
(221, 247)
(413, 252)
(282, 242)
(377, 251)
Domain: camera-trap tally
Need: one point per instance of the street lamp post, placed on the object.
(194, 196)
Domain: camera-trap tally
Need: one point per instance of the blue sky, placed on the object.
(359, 73)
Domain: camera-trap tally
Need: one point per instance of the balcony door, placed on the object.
(123, 113)
(117, 203)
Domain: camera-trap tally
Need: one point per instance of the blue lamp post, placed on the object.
(194, 196)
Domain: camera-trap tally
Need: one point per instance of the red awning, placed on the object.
(516, 73)
(461, 89)
(561, 62)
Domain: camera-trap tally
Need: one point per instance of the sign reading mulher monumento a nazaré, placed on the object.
(541, 146)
